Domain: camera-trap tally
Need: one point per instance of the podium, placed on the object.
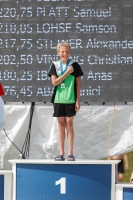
(63, 180)
(124, 191)
(5, 185)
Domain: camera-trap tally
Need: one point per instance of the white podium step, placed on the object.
(6, 185)
(63, 180)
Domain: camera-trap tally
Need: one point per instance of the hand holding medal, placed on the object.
(70, 69)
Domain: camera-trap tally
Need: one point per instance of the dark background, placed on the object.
(101, 36)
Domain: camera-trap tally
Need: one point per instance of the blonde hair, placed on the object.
(65, 44)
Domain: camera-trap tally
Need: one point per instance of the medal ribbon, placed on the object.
(61, 67)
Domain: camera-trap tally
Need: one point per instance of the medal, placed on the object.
(62, 85)
(69, 62)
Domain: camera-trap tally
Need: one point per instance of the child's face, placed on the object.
(64, 53)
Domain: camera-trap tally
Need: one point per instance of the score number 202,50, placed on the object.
(12, 59)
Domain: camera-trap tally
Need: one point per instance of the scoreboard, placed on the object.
(100, 33)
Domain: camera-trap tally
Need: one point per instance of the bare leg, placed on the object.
(70, 134)
(120, 177)
(61, 133)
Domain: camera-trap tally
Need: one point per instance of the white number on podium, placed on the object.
(62, 183)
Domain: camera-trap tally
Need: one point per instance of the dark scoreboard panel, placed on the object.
(100, 33)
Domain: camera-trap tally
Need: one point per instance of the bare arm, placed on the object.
(131, 177)
(57, 80)
(78, 83)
